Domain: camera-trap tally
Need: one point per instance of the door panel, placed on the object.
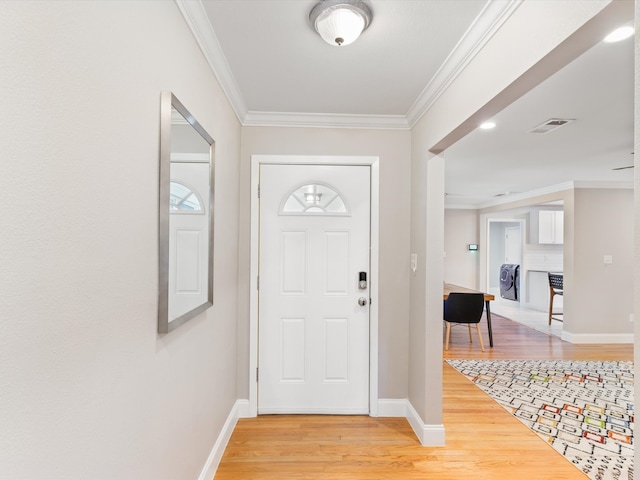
(293, 349)
(336, 263)
(336, 349)
(293, 262)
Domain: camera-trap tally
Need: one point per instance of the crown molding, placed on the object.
(284, 119)
(560, 187)
(198, 22)
(598, 184)
(493, 15)
(515, 197)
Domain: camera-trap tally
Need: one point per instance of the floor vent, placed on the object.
(551, 125)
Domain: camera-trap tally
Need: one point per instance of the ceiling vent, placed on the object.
(551, 125)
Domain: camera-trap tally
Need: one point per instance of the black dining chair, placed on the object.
(556, 285)
(463, 308)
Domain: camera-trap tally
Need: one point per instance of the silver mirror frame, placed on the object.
(166, 324)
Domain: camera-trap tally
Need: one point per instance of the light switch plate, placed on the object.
(608, 259)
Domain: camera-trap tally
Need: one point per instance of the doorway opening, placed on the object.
(505, 243)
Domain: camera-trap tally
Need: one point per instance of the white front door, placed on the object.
(313, 311)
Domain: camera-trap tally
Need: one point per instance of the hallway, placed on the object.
(360, 447)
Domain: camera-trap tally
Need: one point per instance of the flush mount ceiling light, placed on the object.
(487, 125)
(340, 22)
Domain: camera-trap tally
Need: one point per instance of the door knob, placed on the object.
(362, 301)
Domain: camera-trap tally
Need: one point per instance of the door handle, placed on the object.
(362, 301)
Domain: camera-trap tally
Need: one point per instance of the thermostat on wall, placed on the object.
(472, 247)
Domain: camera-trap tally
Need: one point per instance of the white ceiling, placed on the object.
(277, 71)
(596, 90)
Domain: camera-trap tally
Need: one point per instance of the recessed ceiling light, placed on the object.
(487, 125)
(619, 34)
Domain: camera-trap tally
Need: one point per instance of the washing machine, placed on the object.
(509, 281)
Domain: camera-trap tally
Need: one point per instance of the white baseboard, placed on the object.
(580, 338)
(211, 465)
(429, 435)
(243, 408)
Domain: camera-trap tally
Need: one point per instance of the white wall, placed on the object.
(88, 389)
(460, 264)
(393, 149)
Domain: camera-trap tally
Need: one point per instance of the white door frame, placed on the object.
(522, 223)
(256, 161)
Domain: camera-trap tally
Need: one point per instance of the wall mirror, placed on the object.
(185, 216)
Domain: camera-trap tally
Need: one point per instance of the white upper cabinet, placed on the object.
(551, 226)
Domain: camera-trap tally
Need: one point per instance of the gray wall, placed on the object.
(460, 264)
(88, 389)
(513, 61)
(599, 298)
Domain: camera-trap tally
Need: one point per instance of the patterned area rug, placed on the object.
(583, 409)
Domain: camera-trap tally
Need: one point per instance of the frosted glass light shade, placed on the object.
(340, 26)
(340, 22)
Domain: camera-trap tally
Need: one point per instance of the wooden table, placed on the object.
(451, 288)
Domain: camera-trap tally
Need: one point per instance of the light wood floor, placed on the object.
(483, 441)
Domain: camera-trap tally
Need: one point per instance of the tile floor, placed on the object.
(532, 318)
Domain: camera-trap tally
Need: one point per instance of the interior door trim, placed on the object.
(485, 253)
(373, 162)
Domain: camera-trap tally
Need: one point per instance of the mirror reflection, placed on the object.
(186, 216)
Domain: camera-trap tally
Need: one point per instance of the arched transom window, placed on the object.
(314, 199)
